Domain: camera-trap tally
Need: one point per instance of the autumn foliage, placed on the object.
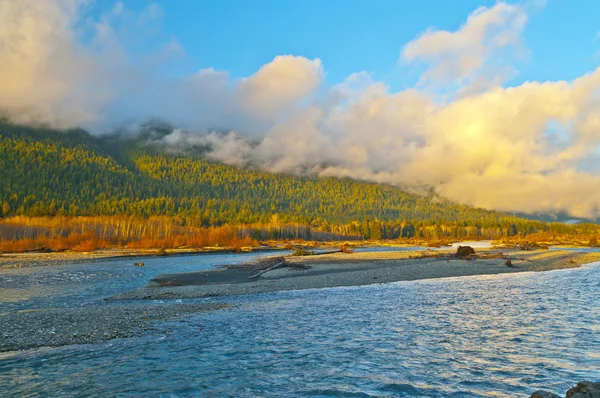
(83, 234)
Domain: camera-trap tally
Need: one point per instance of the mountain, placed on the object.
(73, 173)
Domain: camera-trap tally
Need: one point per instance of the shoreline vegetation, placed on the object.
(135, 236)
(46, 256)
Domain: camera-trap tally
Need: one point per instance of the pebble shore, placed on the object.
(55, 327)
(355, 269)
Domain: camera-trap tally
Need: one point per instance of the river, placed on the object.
(482, 336)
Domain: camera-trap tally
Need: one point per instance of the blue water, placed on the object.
(502, 335)
(84, 284)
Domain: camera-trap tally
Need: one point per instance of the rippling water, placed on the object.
(501, 335)
(85, 284)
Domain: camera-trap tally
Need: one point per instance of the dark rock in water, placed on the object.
(508, 263)
(464, 251)
(140, 264)
(543, 394)
(584, 389)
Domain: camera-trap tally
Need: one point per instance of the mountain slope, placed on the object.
(46, 172)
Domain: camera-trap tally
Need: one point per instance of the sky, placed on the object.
(490, 103)
(350, 36)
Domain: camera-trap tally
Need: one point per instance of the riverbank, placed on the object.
(66, 326)
(39, 259)
(353, 269)
(121, 319)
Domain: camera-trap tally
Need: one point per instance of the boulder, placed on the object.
(464, 251)
(508, 263)
(543, 394)
(584, 389)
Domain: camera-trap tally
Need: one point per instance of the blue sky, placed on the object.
(493, 104)
(351, 36)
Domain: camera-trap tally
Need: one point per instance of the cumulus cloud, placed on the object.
(532, 147)
(475, 52)
(64, 68)
(493, 150)
(41, 63)
(280, 84)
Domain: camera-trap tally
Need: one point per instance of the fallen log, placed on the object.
(278, 262)
(270, 268)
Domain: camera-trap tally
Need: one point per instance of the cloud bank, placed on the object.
(532, 148)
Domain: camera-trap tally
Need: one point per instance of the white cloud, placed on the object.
(489, 150)
(280, 84)
(40, 62)
(470, 53)
(524, 148)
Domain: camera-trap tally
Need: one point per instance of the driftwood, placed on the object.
(329, 252)
(270, 268)
(303, 252)
(275, 263)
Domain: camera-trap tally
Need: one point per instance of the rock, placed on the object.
(543, 394)
(508, 263)
(584, 389)
(529, 246)
(464, 251)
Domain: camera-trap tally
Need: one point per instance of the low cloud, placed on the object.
(529, 148)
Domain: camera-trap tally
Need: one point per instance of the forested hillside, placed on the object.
(51, 173)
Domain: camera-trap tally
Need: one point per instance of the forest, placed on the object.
(88, 181)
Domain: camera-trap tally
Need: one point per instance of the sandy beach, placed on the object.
(354, 269)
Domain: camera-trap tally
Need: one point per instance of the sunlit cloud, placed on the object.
(476, 52)
(530, 147)
(280, 85)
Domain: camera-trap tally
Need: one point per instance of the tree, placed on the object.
(5, 209)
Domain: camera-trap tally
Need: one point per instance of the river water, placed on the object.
(482, 336)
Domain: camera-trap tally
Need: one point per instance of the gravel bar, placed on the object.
(349, 270)
(66, 326)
